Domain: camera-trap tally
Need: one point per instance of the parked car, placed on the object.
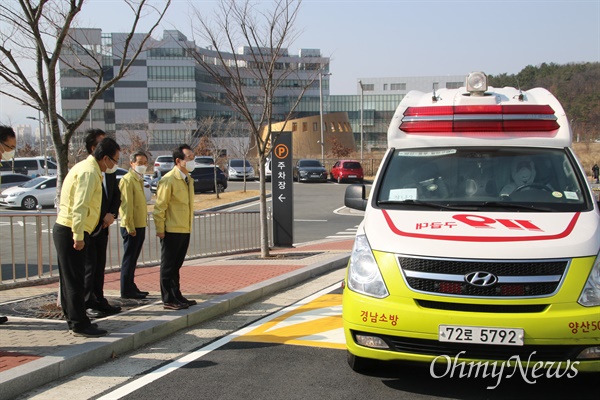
(32, 166)
(38, 191)
(204, 160)
(238, 169)
(346, 170)
(10, 180)
(163, 164)
(204, 179)
(268, 170)
(310, 170)
(120, 172)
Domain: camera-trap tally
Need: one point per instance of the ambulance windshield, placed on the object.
(483, 178)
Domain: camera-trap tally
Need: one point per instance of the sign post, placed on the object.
(282, 191)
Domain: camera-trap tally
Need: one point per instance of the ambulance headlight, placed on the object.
(590, 296)
(476, 83)
(363, 273)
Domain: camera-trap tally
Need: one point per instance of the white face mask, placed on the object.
(7, 155)
(140, 169)
(112, 169)
(190, 165)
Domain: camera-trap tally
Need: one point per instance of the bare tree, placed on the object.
(40, 33)
(214, 141)
(241, 147)
(264, 35)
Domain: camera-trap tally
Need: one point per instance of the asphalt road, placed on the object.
(288, 346)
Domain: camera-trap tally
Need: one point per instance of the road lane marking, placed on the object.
(188, 358)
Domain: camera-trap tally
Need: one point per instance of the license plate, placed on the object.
(481, 335)
(351, 176)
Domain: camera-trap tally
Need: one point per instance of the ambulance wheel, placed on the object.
(358, 364)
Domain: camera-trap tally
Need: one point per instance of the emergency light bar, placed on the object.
(474, 118)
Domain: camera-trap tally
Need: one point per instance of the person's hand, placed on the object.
(132, 233)
(161, 235)
(108, 220)
(78, 245)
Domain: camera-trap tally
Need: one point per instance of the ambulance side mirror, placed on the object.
(355, 197)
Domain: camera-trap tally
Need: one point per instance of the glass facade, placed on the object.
(378, 111)
(171, 73)
(172, 95)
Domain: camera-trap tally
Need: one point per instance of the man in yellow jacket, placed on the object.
(173, 218)
(8, 145)
(78, 215)
(134, 215)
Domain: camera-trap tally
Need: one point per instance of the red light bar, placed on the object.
(473, 118)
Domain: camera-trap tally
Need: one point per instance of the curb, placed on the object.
(77, 358)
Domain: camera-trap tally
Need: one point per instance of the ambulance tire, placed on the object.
(359, 364)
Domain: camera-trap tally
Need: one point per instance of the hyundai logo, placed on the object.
(481, 278)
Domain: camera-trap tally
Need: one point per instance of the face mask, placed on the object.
(140, 169)
(190, 165)
(111, 170)
(7, 155)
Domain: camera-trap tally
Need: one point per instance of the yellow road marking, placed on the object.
(316, 324)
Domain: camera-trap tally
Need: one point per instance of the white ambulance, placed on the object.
(480, 239)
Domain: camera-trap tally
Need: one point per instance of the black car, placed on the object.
(204, 179)
(310, 170)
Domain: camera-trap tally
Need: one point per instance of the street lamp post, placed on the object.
(321, 75)
(362, 107)
(42, 138)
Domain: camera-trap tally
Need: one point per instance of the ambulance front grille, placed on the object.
(483, 278)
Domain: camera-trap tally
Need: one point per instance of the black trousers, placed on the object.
(173, 249)
(71, 274)
(132, 247)
(95, 262)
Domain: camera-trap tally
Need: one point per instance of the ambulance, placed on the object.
(480, 239)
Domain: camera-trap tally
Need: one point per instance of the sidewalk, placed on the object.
(36, 347)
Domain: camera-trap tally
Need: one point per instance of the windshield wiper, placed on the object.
(420, 203)
(502, 204)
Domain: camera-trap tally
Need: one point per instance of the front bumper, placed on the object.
(408, 322)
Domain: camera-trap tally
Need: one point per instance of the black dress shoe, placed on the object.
(93, 313)
(3, 319)
(108, 309)
(137, 296)
(188, 302)
(143, 293)
(90, 331)
(175, 306)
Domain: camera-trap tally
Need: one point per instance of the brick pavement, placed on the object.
(219, 284)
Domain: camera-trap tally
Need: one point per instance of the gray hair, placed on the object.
(133, 156)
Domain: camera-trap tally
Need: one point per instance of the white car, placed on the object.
(38, 191)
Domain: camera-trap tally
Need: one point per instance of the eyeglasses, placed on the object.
(8, 146)
(113, 160)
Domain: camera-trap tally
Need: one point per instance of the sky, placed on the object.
(378, 38)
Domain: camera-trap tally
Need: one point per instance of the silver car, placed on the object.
(10, 180)
(238, 170)
(163, 164)
(38, 191)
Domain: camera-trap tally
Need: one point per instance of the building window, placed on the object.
(385, 85)
(304, 126)
(294, 126)
(315, 126)
(398, 86)
(368, 87)
(453, 85)
(172, 95)
(171, 73)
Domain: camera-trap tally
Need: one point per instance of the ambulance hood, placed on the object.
(483, 235)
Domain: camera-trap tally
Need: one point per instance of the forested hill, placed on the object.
(577, 87)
